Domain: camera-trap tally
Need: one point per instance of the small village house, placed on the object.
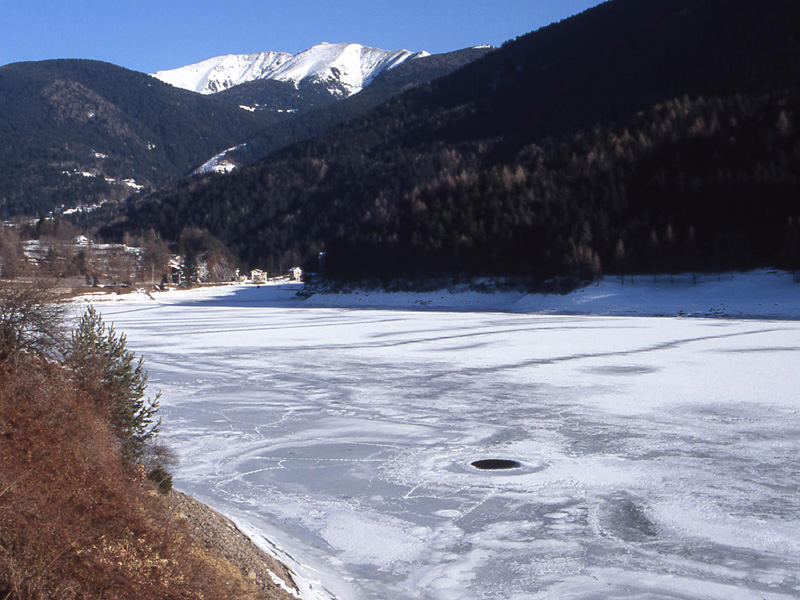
(258, 276)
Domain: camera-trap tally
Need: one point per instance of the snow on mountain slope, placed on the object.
(345, 68)
(218, 163)
(220, 73)
(352, 65)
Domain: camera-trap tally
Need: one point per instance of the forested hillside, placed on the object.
(314, 110)
(80, 132)
(72, 131)
(637, 136)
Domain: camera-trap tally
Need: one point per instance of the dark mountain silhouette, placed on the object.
(637, 135)
(68, 126)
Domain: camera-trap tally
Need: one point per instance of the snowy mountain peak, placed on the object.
(345, 68)
(220, 73)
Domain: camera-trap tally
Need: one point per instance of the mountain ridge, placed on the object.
(82, 132)
(73, 131)
(221, 72)
(625, 134)
(346, 67)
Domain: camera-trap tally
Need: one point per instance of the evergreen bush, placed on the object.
(110, 374)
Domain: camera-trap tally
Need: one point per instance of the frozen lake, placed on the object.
(659, 456)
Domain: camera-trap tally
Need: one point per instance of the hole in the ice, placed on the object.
(496, 464)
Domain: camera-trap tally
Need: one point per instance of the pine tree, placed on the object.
(791, 248)
(620, 260)
(190, 269)
(669, 240)
(113, 377)
(655, 254)
(691, 258)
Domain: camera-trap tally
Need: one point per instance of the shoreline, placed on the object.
(752, 295)
(219, 534)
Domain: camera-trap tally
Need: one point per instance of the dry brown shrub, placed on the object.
(75, 522)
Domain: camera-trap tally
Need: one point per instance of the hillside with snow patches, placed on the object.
(344, 68)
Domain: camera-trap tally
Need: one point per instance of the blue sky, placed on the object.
(148, 35)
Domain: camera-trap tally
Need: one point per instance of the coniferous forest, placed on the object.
(77, 132)
(635, 137)
(73, 130)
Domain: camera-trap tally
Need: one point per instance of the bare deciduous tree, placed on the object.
(155, 259)
(31, 319)
(11, 256)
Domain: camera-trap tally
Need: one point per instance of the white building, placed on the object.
(258, 276)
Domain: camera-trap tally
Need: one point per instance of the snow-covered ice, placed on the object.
(658, 455)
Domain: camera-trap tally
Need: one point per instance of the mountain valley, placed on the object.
(79, 133)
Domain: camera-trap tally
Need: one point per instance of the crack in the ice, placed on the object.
(535, 362)
(224, 482)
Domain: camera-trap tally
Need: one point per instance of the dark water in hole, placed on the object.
(496, 464)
